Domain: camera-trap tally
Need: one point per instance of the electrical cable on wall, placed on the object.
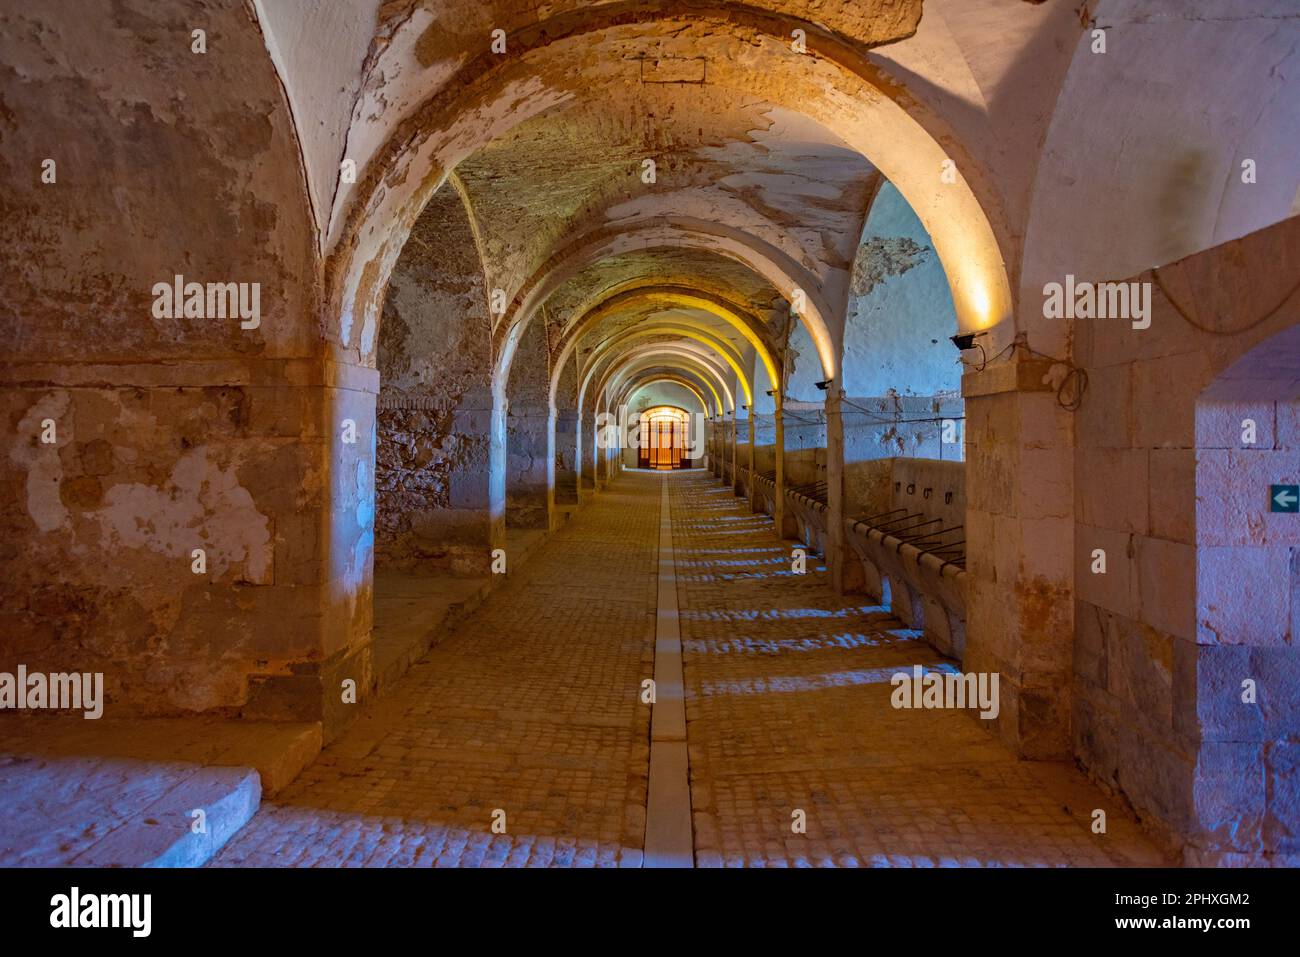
(1160, 283)
(1070, 391)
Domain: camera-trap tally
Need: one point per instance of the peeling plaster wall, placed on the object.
(435, 401)
(900, 370)
(1198, 592)
(184, 139)
(420, 45)
(172, 434)
(900, 313)
(802, 369)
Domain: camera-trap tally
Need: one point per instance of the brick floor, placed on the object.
(532, 706)
(788, 708)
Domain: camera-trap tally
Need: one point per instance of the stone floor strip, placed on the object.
(669, 841)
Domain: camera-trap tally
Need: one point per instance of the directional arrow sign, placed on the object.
(1284, 498)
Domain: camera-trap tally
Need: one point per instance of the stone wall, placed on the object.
(567, 440)
(527, 433)
(886, 427)
(804, 433)
(1198, 593)
(900, 309)
(764, 428)
(435, 401)
(171, 432)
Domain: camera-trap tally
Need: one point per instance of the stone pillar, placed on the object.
(566, 446)
(588, 454)
(719, 446)
(298, 684)
(841, 561)
(728, 429)
(740, 435)
(1019, 547)
(786, 526)
(766, 453)
(613, 457)
(528, 490)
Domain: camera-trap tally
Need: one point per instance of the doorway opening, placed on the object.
(662, 443)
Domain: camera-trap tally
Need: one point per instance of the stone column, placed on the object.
(1019, 547)
(588, 453)
(841, 562)
(566, 446)
(786, 526)
(740, 435)
(728, 434)
(766, 452)
(613, 459)
(720, 446)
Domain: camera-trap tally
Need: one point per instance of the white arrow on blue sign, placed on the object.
(1284, 498)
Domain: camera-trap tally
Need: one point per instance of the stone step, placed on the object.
(124, 792)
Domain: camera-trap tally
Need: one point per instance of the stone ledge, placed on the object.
(119, 812)
(278, 751)
(413, 611)
(1013, 375)
(122, 792)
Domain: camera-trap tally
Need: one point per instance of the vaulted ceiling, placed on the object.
(769, 125)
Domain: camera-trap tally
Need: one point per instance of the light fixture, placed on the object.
(966, 340)
(771, 392)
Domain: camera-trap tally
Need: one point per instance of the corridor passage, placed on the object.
(532, 708)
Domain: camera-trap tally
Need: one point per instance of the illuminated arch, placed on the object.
(654, 356)
(678, 233)
(631, 363)
(673, 296)
(637, 332)
(643, 380)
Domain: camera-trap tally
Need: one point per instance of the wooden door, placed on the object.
(664, 444)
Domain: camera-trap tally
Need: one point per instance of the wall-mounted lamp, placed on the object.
(966, 340)
(771, 392)
(824, 384)
(745, 407)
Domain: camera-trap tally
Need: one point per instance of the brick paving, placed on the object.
(532, 706)
(788, 709)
